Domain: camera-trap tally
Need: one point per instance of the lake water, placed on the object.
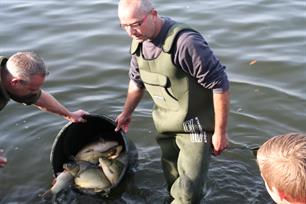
(87, 56)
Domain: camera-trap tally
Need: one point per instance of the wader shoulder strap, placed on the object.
(134, 47)
(172, 33)
(169, 40)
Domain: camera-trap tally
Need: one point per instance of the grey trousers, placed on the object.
(185, 161)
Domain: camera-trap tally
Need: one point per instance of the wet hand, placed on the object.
(77, 116)
(122, 122)
(219, 143)
(3, 160)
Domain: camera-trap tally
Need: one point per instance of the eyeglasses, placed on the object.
(136, 24)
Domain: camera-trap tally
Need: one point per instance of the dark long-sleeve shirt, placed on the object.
(191, 53)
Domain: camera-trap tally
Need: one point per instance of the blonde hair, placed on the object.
(282, 162)
(25, 65)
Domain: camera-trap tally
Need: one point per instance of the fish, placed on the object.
(101, 145)
(93, 156)
(62, 181)
(88, 177)
(112, 169)
(116, 153)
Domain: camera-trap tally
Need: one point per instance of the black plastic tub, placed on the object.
(73, 136)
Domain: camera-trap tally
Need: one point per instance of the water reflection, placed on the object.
(87, 55)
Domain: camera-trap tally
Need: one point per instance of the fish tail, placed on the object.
(47, 195)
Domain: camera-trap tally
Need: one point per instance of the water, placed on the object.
(87, 56)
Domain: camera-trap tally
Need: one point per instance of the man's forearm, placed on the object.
(221, 108)
(134, 95)
(48, 103)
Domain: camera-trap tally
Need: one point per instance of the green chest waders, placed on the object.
(181, 104)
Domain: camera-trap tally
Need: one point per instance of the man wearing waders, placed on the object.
(190, 90)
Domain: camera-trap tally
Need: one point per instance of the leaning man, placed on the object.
(21, 78)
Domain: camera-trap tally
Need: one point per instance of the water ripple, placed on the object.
(262, 43)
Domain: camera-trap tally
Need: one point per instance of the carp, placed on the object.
(62, 181)
(95, 168)
(99, 146)
(88, 177)
(112, 169)
(93, 156)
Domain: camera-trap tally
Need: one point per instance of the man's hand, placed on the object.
(133, 97)
(122, 122)
(77, 116)
(219, 143)
(3, 160)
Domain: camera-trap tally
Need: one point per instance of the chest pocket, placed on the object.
(159, 87)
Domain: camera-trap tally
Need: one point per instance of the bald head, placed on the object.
(137, 7)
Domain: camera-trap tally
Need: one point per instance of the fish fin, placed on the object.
(53, 181)
(46, 195)
(115, 152)
(114, 156)
(99, 163)
(89, 150)
(101, 139)
(88, 165)
(58, 173)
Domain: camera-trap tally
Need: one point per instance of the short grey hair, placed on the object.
(25, 65)
(144, 6)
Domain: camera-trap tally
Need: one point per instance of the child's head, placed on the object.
(282, 163)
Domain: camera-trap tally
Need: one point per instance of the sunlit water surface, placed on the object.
(87, 56)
